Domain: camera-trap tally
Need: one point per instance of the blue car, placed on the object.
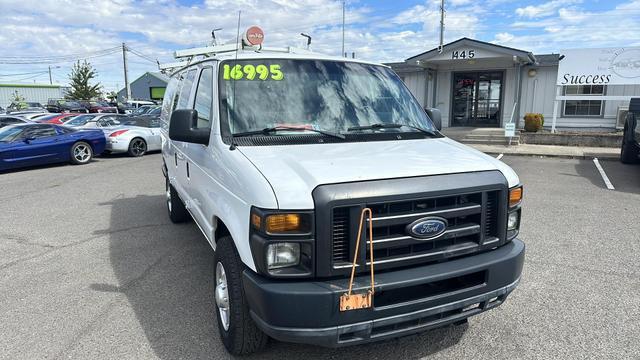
(37, 144)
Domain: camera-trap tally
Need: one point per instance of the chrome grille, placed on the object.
(472, 226)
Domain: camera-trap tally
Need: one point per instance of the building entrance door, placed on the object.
(477, 98)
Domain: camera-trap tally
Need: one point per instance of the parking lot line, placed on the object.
(603, 174)
(499, 156)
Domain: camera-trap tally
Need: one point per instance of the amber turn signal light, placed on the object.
(515, 196)
(256, 221)
(283, 223)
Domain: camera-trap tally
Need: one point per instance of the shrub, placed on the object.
(533, 122)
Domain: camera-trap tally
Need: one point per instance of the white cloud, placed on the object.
(544, 9)
(156, 27)
(574, 28)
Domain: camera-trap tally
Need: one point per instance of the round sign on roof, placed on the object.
(254, 36)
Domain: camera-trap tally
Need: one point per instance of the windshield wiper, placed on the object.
(391, 126)
(269, 130)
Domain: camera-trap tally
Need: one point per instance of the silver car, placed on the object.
(93, 121)
(135, 137)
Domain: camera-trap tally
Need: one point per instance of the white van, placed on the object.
(280, 157)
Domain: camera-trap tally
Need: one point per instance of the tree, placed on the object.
(112, 96)
(16, 97)
(81, 75)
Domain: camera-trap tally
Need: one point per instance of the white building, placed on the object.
(475, 83)
(30, 92)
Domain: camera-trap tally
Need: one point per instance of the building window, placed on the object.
(583, 107)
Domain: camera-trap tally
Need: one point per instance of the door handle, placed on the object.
(180, 156)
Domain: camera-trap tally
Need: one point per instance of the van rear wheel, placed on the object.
(238, 331)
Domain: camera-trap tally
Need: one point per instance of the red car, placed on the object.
(55, 118)
(98, 107)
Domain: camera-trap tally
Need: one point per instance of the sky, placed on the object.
(36, 34)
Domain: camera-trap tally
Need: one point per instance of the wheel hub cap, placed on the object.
(81, 153)
(168, 197)
(222, 295)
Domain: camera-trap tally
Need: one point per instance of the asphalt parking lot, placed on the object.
(92, 268)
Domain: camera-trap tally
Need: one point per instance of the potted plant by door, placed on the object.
(533, 122)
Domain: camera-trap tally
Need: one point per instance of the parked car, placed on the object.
(280, 171)
(135, 137)
(11, 120)
(138, 103)
(25, 106)
(94, 120)
(38, 144)
(98, 106)
(630, 149)
(62, 105)
(142, 110)
(149, 113)
(55, 118)
(32, 115)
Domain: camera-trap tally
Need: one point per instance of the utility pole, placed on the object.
(343, 10)
(440, 47)
(50, 79)
(126, 71)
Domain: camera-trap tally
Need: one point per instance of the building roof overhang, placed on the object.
(499, 50)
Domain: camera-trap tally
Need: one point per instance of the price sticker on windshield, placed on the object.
(252, 72)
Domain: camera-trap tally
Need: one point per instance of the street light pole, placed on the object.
(50, 79)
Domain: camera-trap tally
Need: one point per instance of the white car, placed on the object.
(282, 156)
(135, 137)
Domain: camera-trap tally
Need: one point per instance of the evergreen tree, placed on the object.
(112, 96)
(81, 75)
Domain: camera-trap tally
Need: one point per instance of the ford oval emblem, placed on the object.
(427, 228)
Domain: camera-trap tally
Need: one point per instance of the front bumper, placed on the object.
(308, 312)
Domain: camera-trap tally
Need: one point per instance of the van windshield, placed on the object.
(340, 97)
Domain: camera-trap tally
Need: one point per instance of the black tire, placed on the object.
(177, 211)
(629, 151)
(242, 337)
(81, 153)
(137, 147)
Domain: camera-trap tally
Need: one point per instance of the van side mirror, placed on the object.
(436, 116)
(183, 127)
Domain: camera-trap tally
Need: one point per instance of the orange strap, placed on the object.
(355, 256)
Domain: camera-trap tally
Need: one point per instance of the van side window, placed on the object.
(204, 98)
(187, 83)
(170, 94)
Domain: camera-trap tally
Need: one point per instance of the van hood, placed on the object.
(294, 171)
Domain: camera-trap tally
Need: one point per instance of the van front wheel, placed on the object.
(177, 211)
(238, 332)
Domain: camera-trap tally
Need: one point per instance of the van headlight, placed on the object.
(513, 221)
(514, 212)
(282, 254)
(282, 242)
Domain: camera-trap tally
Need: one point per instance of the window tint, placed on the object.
(10, 133)
(183, 98)
(204, 96)
(8, 121)
(41, 131)
(65, 130)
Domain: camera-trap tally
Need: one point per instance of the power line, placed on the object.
(26, 73)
